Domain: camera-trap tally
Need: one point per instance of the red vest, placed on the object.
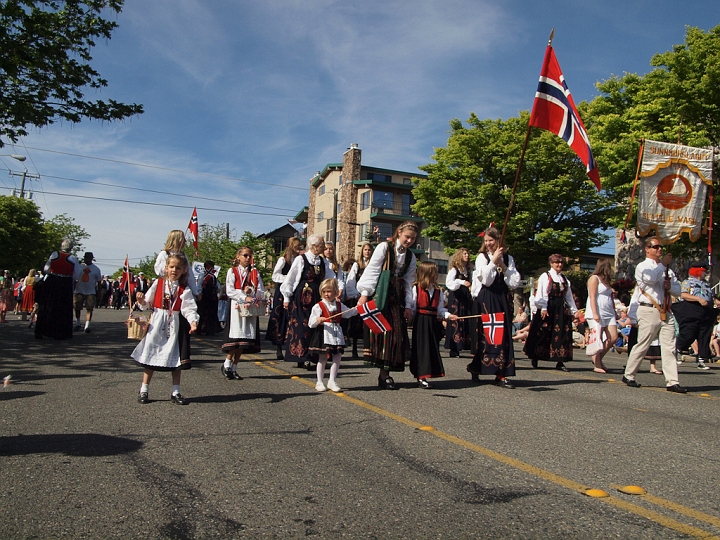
(251, 276)
(425, 304)
(61, 266)
(161, 302)
(325, 312)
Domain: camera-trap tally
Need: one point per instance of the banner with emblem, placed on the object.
(674, 182)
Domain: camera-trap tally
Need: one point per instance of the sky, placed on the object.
(245, 101)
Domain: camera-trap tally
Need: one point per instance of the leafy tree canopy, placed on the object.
(61, 227)
(44, 63)
(556, 208)
(22, 236)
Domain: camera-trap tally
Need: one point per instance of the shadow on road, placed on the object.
(71, 444)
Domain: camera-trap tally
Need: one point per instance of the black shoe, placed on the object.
(300, 365)
(279, 353)
(562, 367)
(387, 383)
(677, 389)
(178, 399)
(454, 354)
(87, 330)
(422, 383)
(474, 377)
(308, 365)
(633, 383)
(235, 375)
(504, 383)
(533, 362)
(143, 398)
(226, 373)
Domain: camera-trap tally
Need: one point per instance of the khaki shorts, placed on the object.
(87, 299)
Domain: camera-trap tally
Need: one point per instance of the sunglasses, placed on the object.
(655, 246)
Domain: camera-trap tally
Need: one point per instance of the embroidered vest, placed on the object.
(425, 304)
(162, 301)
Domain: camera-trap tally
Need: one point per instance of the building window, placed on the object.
(442, 266)
(384, 231)
(321, 216)
(340, 182)
(383, 199)
(321, 191)
(379, 177)
(407, 181)
(365, 201)
(339, 208)
(407, 202)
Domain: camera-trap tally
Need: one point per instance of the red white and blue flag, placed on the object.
(554, 110)
(193, 228)
(376, 321)
(127, 283)
(494, 327)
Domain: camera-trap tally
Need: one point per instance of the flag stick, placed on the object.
(517, 177)
(470, 316)
(127, 284)
(637, 175)
(343, 312)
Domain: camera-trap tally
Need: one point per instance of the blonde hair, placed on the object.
(426, 275)
(457, 260)
(292, 243)
(411, 225)
(361, 260)
(236, 262)
(175, 241)
(333, 262)
(603, 270)
(330, 283)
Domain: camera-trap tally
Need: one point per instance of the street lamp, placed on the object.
(24, 174)
(14, 156)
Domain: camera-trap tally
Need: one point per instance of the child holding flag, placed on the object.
(328, 340)
(425, 361)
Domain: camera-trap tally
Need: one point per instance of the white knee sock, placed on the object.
(144, 387)
(176, 389)
(227, 363)
(321, 369)
(335, 366)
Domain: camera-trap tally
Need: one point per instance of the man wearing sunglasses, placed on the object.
(655, 280)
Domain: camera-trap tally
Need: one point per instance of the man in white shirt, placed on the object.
(86, 290)
(654, 281)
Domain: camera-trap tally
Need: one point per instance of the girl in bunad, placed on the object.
(494, 276)
(550, 333)
(390, 350)
(277, 324)
(425, 360)
(159, 350)
(356, 328)
(7, 300)
(328, 341)
(301, 291)
(174, 244)
(331, 258)
(243, 286)
(458, 282)
(28, 299)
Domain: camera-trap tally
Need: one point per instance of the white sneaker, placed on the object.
(320, 387)
(334, 387)
(701, 365)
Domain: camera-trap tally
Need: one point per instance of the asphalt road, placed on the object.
(270, 457)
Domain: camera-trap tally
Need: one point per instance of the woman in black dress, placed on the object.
(277, 324)
(356, 328)
(457, 332)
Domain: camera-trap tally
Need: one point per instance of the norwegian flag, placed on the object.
(494, 327)
(127, 278)
(193, 228)
(554, 110)
(376, 321)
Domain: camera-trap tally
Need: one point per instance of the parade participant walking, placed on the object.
(600, 311)
(550, 333)
(695, 314)
(159, 350)
(328, 341)
(425, 360)
(28, 298)
(655, 281)
(208, 304)
(243, 287)
(7, 301)
(356, 328)
(389, 350)
(277, 323)
(55, 294)
(86, 290)
(301, 291)
(494, 276)
(458, 332)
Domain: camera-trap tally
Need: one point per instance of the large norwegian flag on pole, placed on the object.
(554, 110)
(376, 321)
(193, 228)
(126, 281)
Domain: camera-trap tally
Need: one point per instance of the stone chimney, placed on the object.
(312, 218)
(348, 198)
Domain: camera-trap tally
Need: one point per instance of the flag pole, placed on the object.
(127, 284)
(519, 167)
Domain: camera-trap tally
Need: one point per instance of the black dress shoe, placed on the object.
(474, 377)
(504, 383)
(308, 365)
(178, 399)
(279, 353)
(677, 389)
(235, 375)
(226, 373)
(143, 398)
(454, 354)
(533, 362)
(387, 383)
(633, 383)
(422, 383)
(562, 367)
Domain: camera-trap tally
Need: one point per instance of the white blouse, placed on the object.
(292, 280)
(332, 331)
(368, 281)
(160, 264)
(442, 313)
(541, 296)
(486, 270)
(452, 282)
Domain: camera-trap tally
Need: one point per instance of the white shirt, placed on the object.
(161, 263)
(541, 296)
(368, 281)
(442, 313)
(452, 282)
(650, 277)
(278, 276)
(238, 294)
(486, 270)
(94, 276)
(332, 331)
(292, 280)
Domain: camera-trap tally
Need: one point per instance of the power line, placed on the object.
(169, 169)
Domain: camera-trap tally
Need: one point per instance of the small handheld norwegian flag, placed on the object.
(376, 321)
(193, 228)
(494, 327)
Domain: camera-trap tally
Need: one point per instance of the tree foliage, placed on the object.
(22, 236)
(556, 208)
(45, 63)
(63, 226)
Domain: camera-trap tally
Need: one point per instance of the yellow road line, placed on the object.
(526, 467)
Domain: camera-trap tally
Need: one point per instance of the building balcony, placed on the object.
(394, 212)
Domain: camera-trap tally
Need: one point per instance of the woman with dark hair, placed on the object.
(277, 324)
(495, 274)
(600, 310)
(457, 332)
(391, 349)
(550, 335)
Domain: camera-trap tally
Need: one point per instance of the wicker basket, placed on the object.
(256, 309)
(137, 327)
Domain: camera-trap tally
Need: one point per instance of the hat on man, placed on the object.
(699, 264)
(88, 255)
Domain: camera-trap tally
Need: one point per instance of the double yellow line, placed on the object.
(623, 504)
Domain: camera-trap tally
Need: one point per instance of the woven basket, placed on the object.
(137, 327)
(255, 309)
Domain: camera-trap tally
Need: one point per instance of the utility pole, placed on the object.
(24, 176)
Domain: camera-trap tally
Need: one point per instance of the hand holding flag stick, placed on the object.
(338, 314)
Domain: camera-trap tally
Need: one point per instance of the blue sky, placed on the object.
(246, 100)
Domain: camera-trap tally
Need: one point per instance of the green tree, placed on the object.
(63, 226)
(45, 63)
(556, 208)
(22, 236)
